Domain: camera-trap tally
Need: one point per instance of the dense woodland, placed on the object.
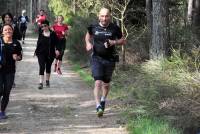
(160, 64)
(159, 67)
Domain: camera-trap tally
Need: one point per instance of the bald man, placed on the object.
(102, 38)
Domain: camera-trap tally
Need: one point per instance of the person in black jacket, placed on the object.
(10, 52)
(46, 52)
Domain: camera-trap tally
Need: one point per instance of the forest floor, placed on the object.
(67, 107)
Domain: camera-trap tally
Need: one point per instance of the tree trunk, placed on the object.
(160, 31)
(196, 19)
(196, 16)
(190, 11)
(74, 6)
(31, 11)
(149, 20)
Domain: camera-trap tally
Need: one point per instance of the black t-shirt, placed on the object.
(8, 49)
(100, 35)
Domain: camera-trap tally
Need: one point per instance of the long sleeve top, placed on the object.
(7, 63)
(46, 45)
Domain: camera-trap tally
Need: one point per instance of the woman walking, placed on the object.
(10, 52)
(45, 52)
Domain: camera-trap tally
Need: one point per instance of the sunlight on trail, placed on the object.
(40, 96)
(28, 48)
(31, 39)
(87, 103)
(28, 53)
(97, 130)
(67, 107)
(30, 60)
(68, 75)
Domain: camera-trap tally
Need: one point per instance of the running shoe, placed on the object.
(99, 111)
(40, 86)
(2, 115)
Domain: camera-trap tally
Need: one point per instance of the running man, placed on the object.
(102, 38)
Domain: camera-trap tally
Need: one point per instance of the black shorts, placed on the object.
(61, 47)
(102, 69)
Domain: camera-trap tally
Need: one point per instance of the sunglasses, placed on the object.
(44, 25)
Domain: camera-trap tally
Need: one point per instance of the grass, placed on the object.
(84, 73)
(133, 83)
(151, 88)
(145, 125)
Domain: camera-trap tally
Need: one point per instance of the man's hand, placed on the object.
(109, 43)
(121, 41)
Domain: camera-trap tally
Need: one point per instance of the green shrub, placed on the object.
(76, 40)
(143, 125)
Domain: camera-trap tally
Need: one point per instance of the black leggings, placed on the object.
(23, 31)
(6, 82)
(45, 64)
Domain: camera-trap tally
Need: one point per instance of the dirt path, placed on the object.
(67, 107)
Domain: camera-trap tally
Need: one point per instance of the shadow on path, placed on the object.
(67, 107)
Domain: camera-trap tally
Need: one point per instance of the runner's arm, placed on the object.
(88, 39)
(121, 41)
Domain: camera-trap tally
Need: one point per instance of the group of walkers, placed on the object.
(50, 45)
(101, 38)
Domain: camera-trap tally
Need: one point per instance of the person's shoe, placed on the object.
(103, 103)
(59, 71)
(2, 115)
(47, 83)
(22, 41)
(40, 86)
(55, 67)
(99, 111)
